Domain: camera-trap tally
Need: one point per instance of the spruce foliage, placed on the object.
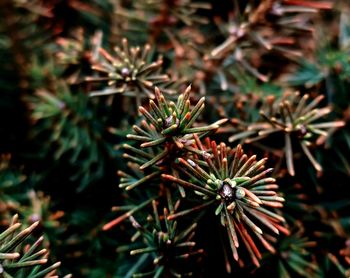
(174, 138)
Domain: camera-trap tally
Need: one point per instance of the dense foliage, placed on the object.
(174, 138)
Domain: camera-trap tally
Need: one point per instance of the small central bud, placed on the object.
(229, 192)
(125, 72)
(302, 131)
(170, 121)
(226, 192)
